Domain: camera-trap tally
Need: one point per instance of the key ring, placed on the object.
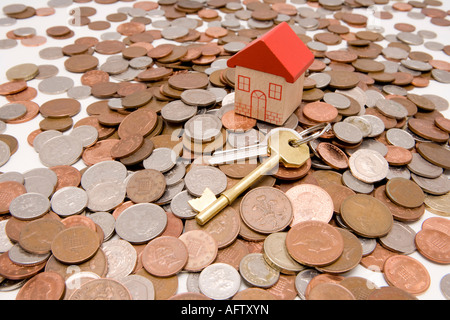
(311, 134)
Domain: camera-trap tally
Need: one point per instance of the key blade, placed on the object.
(235, 155)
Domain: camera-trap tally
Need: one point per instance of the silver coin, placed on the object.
(105, 196)
(8, 43)
(2, 126)
(12, 176)
(302, 280)
(12, 111)
(161, 159)
(5, 153)
(55, 85)
(174, 32)
(203, 128)
(244, 139)
(175, 174)
(68, 201)
(5, 241)
(441, 75)
(25, 32)
(410, 38)
(234, 46)
(444, 285)
(181, 207)
(170, 193)
(368, 245)
(141, 62)
(177, 111)
(400, 138)
(436, 186)
(39, 184)
(376, 123)
(219, 281)
(322, 79)
(360, 122)
(395, 53)
(391, 109)
(201, 177)
(140, 287)
(59, 3)
(400, 239)
(88, 135)
(113, 67)
(43, 137)
(14, 9)
(29, 206)
(417, 65)
(79, 92)
(60, 150)
(105, 171)
(121, 257)
(339, 101)
(347, 132)
(104, 220)
(255, 271)
(141, 222)
(398, 172)
(423, 168)
(24, 258)
(42, 172)
(51, 53)
(355, 184)
(434, 46)
(198, 97)
(368, 166)
(440, 103)
(192, 282)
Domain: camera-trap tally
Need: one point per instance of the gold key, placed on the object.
(283, 147)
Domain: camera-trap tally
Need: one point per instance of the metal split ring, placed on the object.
(311, 134)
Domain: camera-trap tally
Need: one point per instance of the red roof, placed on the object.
(280, 52)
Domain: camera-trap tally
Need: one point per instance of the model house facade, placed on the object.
(269, 75)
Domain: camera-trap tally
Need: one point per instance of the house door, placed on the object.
(259, 102)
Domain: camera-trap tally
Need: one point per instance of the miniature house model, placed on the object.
(269, 75)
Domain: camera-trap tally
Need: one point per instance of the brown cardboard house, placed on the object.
(269, 75)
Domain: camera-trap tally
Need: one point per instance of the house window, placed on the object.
(275, 91)
(244, 83)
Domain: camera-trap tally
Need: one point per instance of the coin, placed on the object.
(314, 243)
(310, 202)
(37, 236)
(162, 249)
(203, 128)
(75, 245)
(219, 281)
(37, 288)
(330, 291)
(202, 249)
(121, 257)
(368, 165)
(433, 245)
(201, 177)
(435, 154)
(400, 239)
(277, 256)
(405, 192)
(255, 271)
(141, 222)
(377, 220)
(69, 201)
(105, 289)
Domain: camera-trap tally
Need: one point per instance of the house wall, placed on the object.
(277, 110)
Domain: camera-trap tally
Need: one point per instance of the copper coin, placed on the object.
(140, 155)
(37, 236)
(437, 223)
(427, 130)
(191, 80)
(407, 273)
(59, 108)
(400, 213)
(164, 256)
(266, 210)
(101, 289)
(146, 185)
(127, 146)
(236, 122)
(398, 156)
(320, 112)
(12, 271)
(26, 95)
(284, 173)
(75, 245)
(109, 47)
(141, 121)
(338, 194)
(433, 245)
(9, 190)
(314, 243)
(93, 77)
(405, 192)
(366, 216)
(332, 155)
(202, 249)
(130, 28)
(160, 51)
(254, 293)
(81, 63)
(390, 293)
(79, 221)
(68, 176)
(100, 151)
(174, 226)
(330, 291)
(223, 236)
(434, 153)
(60, 124)
(103, 131)
(43, 286)
(12, 87)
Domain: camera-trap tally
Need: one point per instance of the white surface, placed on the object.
(26, 158)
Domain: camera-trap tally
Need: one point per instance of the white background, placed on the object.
(26, 158)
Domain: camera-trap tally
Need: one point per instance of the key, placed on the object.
(281, 149)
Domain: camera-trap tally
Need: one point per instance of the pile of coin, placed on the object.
(161, 102)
